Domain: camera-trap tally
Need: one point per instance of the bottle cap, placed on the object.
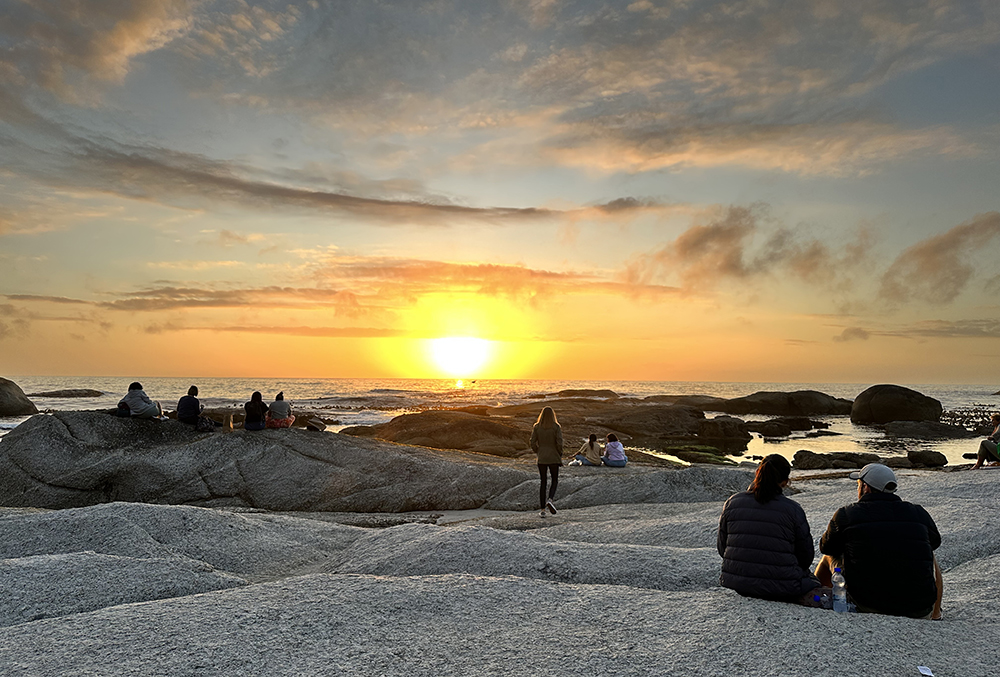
(836, 569)
(815, 598)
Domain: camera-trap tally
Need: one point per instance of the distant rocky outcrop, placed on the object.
(450, 430)
(13, 401)
(797, 403)
(885, 403)
(785, 425)
(69, 392)
(927, 430)
(71, 459)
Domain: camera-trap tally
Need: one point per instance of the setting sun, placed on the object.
(460, 356)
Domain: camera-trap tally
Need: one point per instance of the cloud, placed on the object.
(938, 268)
(852, 334)
(66, 46)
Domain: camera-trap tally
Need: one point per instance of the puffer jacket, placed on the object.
(766, 548)
(139, 404)
(886, 546)
(547, 443)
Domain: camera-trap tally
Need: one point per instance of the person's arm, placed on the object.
(533, 442)
(144, 397)
(804, 549)
(832, 542)
(720, 541)
(559, 441)
(995, 435)
(932, 531)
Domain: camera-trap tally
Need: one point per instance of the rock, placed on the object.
(75, 458)
(885, 403)
(724, 428)
(822, 433)
(584, 392)
(451, 430)
(797, 403)
(897, 462)
(13, 401)
(927, 430)
(659, 420)
(926, 458)
(701, 402)
(769, 428)
(810, 460)
(71, 392)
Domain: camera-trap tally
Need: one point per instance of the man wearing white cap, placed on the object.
(885, 548)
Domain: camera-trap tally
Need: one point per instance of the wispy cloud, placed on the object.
(938, 269)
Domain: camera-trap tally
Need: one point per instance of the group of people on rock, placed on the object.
(258, 415)
(547, 443)
(882, 545)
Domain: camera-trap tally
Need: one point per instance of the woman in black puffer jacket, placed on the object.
(764, 540)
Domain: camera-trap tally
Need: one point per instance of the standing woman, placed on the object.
(764, 540)
(547, 443)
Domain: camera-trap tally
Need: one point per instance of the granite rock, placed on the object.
(885, 403)
(13, 401)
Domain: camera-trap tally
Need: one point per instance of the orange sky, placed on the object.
(651, 190)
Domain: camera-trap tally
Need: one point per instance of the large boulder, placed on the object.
(72, 459)
(724, 428)
(451, 430)
(845, 460)
(885, 402)
(13, 401)
(926, 458)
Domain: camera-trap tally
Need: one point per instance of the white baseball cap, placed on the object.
(877, 476)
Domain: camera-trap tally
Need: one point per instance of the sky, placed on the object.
(667, 190)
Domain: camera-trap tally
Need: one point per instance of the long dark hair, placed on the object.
(771, 472)
(593, 440)
(547, 418)
(256, 397)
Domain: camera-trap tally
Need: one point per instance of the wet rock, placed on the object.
(810, 460)
(885, 403)
(846, 460)
(926, 458)
(724, 428)
(664, 421)
(13, 401)
(897, 462)
(927, 430)
(769, 428)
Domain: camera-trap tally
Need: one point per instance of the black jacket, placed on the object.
(188, 409)
(766, 548)
(886, 547)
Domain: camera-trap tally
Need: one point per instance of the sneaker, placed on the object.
(543, 514)
(551, 506)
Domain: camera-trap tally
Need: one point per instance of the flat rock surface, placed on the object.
(609, 589)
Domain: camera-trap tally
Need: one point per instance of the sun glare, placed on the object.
(460, 356)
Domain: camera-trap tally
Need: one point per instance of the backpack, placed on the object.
(204, 424)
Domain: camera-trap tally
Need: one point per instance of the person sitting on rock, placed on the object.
(189, 408)
(279, 414)
(614, 453)
(590, 452)
(764, 540)
(256, 412)
(988, 452)
(139, 404)
(885, 548)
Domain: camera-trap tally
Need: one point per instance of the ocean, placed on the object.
(370, 401)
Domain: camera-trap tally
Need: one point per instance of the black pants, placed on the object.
(553, 469)
(985, 452)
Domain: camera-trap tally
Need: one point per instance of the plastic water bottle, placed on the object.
(839, 591)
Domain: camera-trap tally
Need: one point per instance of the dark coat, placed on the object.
(886, 549)
(766, 548)
(188, 409)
